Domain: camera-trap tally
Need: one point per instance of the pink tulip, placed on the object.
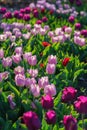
(50, 90)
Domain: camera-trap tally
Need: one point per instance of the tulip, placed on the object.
(50, 90)
(31, 120)
(47, 102)
(52, 59)
(81, 104)
(34, 88)
(7, 62)
(20, 80)
(68, 94)
(70, 122)
(1, 53)
(65, 61)
(43, 81)
(19, 70)
(50, 68)
(51, 117)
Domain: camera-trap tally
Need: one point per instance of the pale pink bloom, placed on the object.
(13, 38)
(77, 33)
(68, 30)
(61, 38)
(34, 32)
(55, 39)
(46, 27)
(50, 90)
(8, 34)
(82, 42)
(67, 36)
(19, 70)
(33, 72)
(1, 53)
(32, 60)
(43, 81)
(20, 80)
(26, 55)
(16, 58)
(52, 59)
(58, 31)
(3, 37)
(37, 26)
(18, 50)
(79, 41)
(26, 36)
(35, 90)
(50, 68)
(30, 81)
(4, 75)
(28, 27)
(42, 31)
(7, 62)
(50, 34)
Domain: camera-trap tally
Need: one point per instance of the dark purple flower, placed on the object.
(44, 19)
(7, 15)
(78, 2)
(70, 122)
(51, 117)
(22, 11)
(84, 33)
(68, 94)
(3, 10)
(81, 104)
(77, 25)
(35, 13)
(31, 120)
(27, 10)
(38, 21)
(71, 19)
(16, 13)
(47, 102)
(26, 17)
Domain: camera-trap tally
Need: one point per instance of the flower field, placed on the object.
(43, 66)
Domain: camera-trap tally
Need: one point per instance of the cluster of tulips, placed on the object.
(43, 53)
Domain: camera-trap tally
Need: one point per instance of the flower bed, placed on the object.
(43, 67)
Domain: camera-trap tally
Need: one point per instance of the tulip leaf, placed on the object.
(13, 88)
(57, 99)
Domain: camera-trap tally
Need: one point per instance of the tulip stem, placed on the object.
(83, 121)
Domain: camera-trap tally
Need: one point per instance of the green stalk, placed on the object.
(83, 121)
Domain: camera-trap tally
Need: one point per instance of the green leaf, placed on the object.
(13, 89)
(57, 99)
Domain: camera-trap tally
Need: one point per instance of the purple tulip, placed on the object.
(32, 60)
(50, 68)
(70, 122)
(81, 104)
(16, 58)
(43, 81)
(51, 117)
(26, 17)
(47, 102)
(71, 19)
(7, 62)
(3, 10)
(52, 59)
(1, 53)
(68, 94)
(77, 25)
(31, 120)
(19, 70)
(20, 80)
